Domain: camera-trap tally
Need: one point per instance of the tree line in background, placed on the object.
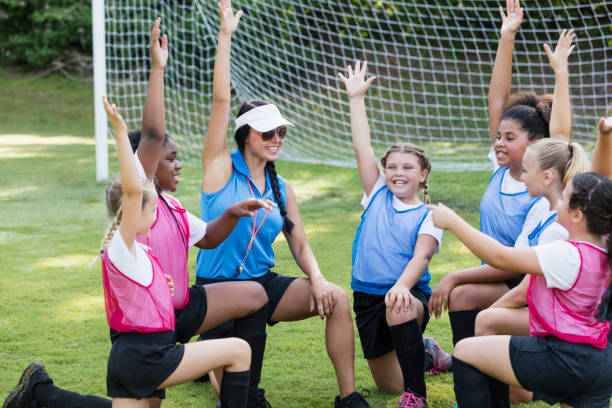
(45, 35)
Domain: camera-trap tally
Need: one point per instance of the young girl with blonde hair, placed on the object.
(144, 359)
(391, 252)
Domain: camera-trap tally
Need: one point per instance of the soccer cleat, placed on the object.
(22, 395)
(410, 400)
(353, 400)
(442, 361)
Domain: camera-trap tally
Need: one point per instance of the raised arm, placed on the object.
(602, 156)
(131, 184)
(356, 88)
(561, 114)
(153, 116)
(501, 78)
(522, 260)
(216, 160)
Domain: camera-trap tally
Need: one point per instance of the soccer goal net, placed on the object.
(433, 62)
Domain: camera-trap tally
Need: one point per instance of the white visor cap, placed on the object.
(262, 118)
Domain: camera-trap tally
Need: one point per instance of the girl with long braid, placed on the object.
(174, 232)
(247, 253)
(144, 359)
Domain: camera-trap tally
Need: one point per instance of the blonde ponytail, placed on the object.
(578, 162)
(566, 159)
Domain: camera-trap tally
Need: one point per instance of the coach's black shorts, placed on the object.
(558, 371)
(273, 283)
(190, 318)
(371, 320)
(140, 362)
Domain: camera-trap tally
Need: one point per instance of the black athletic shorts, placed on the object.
(273, 283)
(140, 362)
(512, 283)
(371, 320)
(558, 371)
(190, 318)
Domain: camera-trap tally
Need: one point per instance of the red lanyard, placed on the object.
(253, 232)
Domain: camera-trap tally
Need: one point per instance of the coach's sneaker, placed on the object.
(442, 361)
(22, 395)
(353, 400)
(410, 400)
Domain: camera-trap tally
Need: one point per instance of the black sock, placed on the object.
(471, 386)
(234, 389)
(252, 329)
(408, 344)
(500, 393)
(48, 395)
(462, 323)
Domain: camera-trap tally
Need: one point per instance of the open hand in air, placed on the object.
(356, 84)
(558, 58)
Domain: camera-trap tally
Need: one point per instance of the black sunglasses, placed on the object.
(281, 131)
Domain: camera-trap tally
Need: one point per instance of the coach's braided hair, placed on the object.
(531, 112)
(567, 159)
(240, 137)
(424, 162)
(592, 195)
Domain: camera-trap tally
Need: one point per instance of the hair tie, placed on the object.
(570, 147)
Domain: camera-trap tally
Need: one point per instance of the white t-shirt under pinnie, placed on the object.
(560, 263)
(138, 268)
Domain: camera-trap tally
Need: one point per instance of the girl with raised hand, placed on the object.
(393, 246)
(567, 357)
(200, 307)
(247, 253)
(548, 166)
(144, 359)
(506, 209)
(175, 231)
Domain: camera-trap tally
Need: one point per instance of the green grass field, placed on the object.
(53, 217)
